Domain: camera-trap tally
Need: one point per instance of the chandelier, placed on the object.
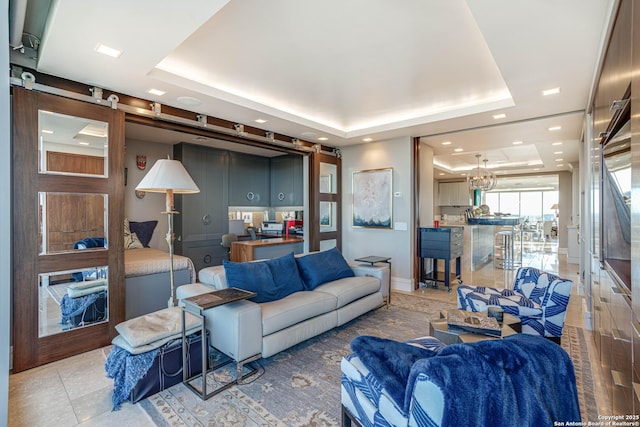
(482, 179)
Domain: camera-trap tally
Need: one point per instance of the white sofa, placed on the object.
(245, 330)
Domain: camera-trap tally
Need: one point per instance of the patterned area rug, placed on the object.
(301, 386)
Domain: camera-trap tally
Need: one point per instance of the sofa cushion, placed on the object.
(285, 274)
(293, 309)
(322, 267)
(252, 276)
(350, 289)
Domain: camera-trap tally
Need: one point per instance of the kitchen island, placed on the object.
(507, 247)
(250, 250)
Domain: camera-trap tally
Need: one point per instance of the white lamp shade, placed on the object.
(167, 174)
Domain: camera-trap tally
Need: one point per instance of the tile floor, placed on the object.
(75, 391)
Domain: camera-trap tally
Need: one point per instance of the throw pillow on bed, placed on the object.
(144, 230)
(258, 277)
(322, 267)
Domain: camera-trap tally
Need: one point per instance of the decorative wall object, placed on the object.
(372, 198)
(325, 214)
(141, 161)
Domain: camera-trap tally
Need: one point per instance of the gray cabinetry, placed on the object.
(249, 180)
(286, 181)
(454, 194)
(203, 216)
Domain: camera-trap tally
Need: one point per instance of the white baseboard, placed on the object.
(401, 284)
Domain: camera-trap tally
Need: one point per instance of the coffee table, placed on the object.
(440, 329)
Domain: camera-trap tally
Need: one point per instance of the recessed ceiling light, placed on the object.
(156, 92)
(323, 138)
(559, 160)
(457, 150)
(260, 121)
(557, 143)
(83, 143)
(441, 173)
(551, 91)
(559, 165)
(109, 51)
(446, 143)
(557, 152)
(367, 139)
(554, 128)
(188, 100)
(536, 169)
(517, 142)
(499, 116)
(47, 131)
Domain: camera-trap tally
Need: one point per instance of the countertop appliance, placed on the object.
(272, 227)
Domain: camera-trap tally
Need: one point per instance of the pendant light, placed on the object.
(482, 179)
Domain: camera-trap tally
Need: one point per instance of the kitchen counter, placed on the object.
(250, 250)
(496, 220)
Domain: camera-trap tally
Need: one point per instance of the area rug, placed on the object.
(301, 386)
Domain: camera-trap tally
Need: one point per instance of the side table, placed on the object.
(373, 260)
(197, 305)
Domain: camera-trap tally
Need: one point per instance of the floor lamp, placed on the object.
(169, 177)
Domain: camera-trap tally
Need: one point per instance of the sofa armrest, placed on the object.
(236, 329)
(380, 272)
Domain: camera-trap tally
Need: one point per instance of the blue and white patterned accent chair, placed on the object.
(370, 405)
(538, 298)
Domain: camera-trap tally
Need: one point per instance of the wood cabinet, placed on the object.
(615, 76)
(287, 181)
(249, 182)
(454, 194)
(615, 325)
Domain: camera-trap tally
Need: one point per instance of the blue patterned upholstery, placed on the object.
(538, 298)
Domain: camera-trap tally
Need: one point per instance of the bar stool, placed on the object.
(503, 251)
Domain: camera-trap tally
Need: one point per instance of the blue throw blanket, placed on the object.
(71, 307)
(520, 380)
(126, 369)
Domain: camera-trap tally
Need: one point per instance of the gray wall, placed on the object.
(5, 217)
(150, 207)
(395, 243)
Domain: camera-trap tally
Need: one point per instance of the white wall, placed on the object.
(5, 217)
(151, 206)
(394, 243)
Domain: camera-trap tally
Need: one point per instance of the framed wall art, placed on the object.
(373, 198)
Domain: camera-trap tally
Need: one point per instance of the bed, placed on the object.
(147, 281)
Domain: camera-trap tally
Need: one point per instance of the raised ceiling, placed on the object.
(351, 70)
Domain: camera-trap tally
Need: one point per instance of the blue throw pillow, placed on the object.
(144, 230)
(322, 267)
(285, 275)
(251, 276)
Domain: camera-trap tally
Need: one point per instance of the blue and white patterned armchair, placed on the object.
(538, 298)
(519, 380)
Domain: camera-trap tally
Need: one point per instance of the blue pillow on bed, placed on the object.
(322, 267)
(144, 230)
(255, 277)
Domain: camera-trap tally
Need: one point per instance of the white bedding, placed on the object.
(144, 261)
